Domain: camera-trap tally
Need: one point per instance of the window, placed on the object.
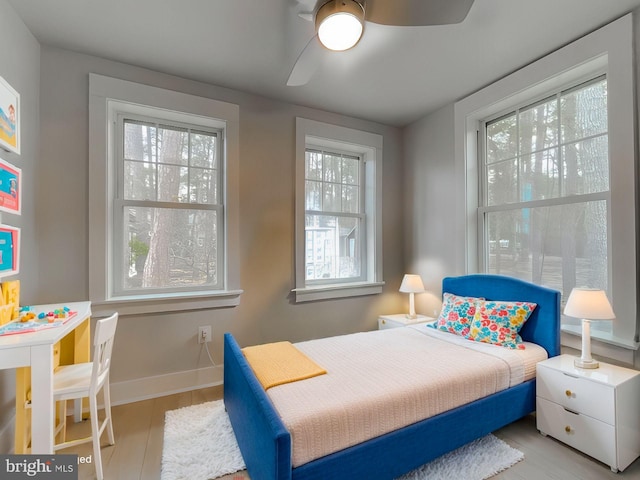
(546, 160)
(168, 210)
(334, 217)
(163, 199)
(545, 184)
(338, 227)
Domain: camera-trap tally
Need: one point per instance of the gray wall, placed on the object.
(430, 184)
(20, 66)
(151, 345)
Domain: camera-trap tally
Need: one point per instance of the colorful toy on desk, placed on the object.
(27, 316)
(41, 315)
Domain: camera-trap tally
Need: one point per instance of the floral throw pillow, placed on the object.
(456, 315)
(498, 322)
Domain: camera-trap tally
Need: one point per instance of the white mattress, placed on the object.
(380, 381)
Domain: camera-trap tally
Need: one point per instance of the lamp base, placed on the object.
(588, 364)
(411, 317)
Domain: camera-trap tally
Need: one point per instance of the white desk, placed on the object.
(35, 350)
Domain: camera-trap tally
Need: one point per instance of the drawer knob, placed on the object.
(567, 429)
(568, 393)
(384, 322)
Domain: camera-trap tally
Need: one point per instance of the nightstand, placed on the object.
(594, 411)
(401, 320)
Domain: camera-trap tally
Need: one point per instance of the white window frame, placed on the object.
(609, 50)
(119, 113)
(310, 133)
(107, 98)
(361, 214)
(484, 208)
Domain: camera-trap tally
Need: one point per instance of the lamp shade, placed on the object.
(340, 24)
(412, 284)
(590, 304)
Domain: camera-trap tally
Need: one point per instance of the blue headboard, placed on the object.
(542, 327)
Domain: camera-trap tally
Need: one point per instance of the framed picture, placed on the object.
(9, 117)
(10, 187)
(9, 250)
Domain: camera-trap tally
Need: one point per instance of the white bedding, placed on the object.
(380, 381)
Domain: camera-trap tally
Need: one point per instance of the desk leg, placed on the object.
(42, 405)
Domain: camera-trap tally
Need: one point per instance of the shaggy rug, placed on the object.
(199, 445)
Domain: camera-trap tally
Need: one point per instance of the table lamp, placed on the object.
(412, 284)
(588, 304)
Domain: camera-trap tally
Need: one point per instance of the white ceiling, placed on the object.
(395, 75)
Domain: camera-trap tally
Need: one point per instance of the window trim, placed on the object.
(348, 140)
(608, 49)
(103, 90)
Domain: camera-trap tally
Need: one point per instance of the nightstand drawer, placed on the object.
(577, 394)
(591, 436)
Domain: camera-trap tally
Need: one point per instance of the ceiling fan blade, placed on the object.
(416, 12)
(306, 64)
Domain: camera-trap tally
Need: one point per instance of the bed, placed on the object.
(266, 444)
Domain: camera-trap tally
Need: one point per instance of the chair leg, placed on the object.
(95, 433)
(60, 425)
(107, 412)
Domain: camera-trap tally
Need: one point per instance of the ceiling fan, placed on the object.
(340, 24)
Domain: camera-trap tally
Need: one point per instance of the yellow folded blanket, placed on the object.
(279, 363)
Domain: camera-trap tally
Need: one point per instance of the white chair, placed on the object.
(73, 382)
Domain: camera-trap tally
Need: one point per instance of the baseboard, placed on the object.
(7, 433)
(161, 385)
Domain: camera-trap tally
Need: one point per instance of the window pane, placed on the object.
(586, 166)
(350, 170)
(562, 246)
(350, 200)
(167, 248)
(204, 185)
(540, 176)
(502, 139)
(313, 166)
(173, 183)
(203, 150)
(173, 145)
(331, 197)
(139, 180)
(332, 166)
(332, 247)
(584, 112)
(140, 141)
(502, 182)
(313, 196)
(539, 127)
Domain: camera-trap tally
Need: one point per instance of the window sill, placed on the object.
(326, 292)
(604, 344)
(159, 303)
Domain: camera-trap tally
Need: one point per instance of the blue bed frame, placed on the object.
(265, 443)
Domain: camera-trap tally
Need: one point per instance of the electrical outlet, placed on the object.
(204, 334)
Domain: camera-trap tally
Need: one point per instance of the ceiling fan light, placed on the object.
(340, 24)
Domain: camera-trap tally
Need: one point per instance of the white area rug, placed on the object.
(199, 445)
